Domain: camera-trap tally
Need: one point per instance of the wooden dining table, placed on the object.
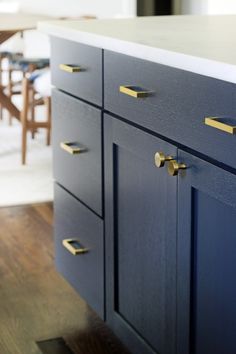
(11, 24)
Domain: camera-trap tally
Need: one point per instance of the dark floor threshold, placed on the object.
(54, 346)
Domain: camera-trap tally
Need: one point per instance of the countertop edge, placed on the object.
(198, 65)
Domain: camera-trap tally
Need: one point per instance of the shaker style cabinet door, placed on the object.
(140, 201)
(206, 258)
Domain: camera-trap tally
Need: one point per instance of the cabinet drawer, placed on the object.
(79, 124)
(77, 69)
(83, 271)
(177, 105)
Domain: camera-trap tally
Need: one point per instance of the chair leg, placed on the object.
(1, 70)
(49, 113)
(24, 119)
(23, 145)
(9, 87)
(32, 111)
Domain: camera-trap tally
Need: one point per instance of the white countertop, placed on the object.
(201, 44)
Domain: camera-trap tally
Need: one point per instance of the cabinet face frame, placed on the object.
(125, 138)
(218, 186)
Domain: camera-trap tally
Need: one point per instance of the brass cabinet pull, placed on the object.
(135, 91)
(160, 159)
(72, 148)
(74, 246)
(70, 68)
(174, 167)
(220, 123)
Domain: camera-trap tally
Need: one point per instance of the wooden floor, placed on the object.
(35, 302)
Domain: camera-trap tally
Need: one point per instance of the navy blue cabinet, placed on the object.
(140, 224)
(206, 259)
(170, 247)
(160, 247)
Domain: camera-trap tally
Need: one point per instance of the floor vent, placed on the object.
(54, 346)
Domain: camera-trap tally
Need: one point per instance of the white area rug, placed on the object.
(28, 184)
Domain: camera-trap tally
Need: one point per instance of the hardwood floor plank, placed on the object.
(36, 303)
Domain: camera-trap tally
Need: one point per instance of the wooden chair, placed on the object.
(6, 55)
(29, 124)
(24, 66)
(2, 57)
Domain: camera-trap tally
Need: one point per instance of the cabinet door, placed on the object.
(140, 240)
(206, 258)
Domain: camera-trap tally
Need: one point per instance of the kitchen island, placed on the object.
(145, 193)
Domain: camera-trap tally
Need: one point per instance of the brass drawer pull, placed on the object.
(224, 124)
(160, 159)
(72, 148)
(70, 68)
(135, 91)
(74, 246)
(174, 167)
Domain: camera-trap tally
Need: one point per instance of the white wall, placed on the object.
(192, 6)
(206, 6)
(99, 8)
(222, 6)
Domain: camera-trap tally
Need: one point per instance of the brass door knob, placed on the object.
(160, 159)
(174, 167)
